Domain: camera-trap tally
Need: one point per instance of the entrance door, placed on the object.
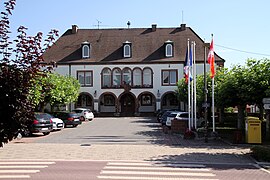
(127, 105)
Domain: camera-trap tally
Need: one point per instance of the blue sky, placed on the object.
(236, 24)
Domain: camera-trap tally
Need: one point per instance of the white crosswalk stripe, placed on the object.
(149, 171)
(21, 169)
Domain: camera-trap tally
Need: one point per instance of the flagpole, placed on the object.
(213, 103)
(205, 97)
(188, 89)
(213, 93)
(195, 84)
(192, 84)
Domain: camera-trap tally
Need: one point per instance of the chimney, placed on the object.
(183, 27)
(74, 29)
(154, 27)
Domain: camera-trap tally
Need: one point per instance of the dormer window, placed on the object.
(127, 49)
(169, 48)
(85, 49)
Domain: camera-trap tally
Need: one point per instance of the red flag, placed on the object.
(211, 59)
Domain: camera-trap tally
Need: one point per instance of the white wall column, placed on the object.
(95, 105)
(158, 104)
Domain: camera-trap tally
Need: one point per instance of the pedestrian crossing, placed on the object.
(150, 171)
(21, 169)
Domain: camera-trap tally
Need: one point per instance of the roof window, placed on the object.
(85, 50)
(127, 49)
(169, 48)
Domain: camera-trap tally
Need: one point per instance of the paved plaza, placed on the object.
(124, 139)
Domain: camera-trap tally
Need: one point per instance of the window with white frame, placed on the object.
(127, 76)
(169, 77)
(86, 51)
(109, 100)
(85, 78)
(147, 77)
(137, 77)
(106, 78)
(117, 77)
(146, 100)
(127, 50)
(169, 50)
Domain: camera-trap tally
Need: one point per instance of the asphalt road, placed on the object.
(125, 170)
(124, 148)
(110, 131)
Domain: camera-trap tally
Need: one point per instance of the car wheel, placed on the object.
(27, 133)
(46, 133)
(75, 125)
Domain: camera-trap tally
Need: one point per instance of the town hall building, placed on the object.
(127, 71)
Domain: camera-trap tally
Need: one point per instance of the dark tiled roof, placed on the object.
(107, 46)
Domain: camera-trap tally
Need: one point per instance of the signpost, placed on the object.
(266, 102)
(266, 106)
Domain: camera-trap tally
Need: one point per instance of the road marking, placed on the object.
(18, 167)
(158, 173)
(149, 178)
(21, 163)
(156, 168)
(14, 176)
(19, 171)
(187, 165)
(152, 171)
(128, 164)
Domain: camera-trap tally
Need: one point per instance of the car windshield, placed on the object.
(78, 111)
(172, 115)
(185, 115)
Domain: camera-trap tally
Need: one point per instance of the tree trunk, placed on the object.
(241, 116)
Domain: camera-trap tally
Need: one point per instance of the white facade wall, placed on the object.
(97, 69)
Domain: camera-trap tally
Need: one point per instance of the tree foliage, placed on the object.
(240, 86)
(55, 89)
(20, 63)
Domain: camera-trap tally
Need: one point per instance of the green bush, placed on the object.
(261, 153)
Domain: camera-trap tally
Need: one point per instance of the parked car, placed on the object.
(162, 111)
(164, 117)
(170, 117)
(85, 114)
(42, 123)
(69, 118)
(58, 124)
(182, 116)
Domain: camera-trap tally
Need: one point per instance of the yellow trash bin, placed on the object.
(253, 130)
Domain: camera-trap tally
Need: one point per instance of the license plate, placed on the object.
(43, 129)
(76, 119)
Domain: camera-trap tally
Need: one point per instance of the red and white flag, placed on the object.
(211, 59)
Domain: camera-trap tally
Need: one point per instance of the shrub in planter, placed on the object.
(261, 153)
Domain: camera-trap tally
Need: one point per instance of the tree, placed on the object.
(259, 82)
(54, 89)
(182, 89)
(21, 62)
